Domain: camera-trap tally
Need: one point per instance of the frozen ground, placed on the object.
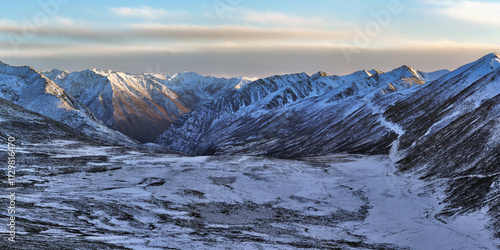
(73, 196)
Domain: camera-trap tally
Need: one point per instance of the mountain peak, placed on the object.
(407, 67)
(320, 74)
(185, 75)
(492, 59)
(56, 71)
(404, 71)
(101, 71)
(359, 74)
(493, 55)
(375, 72)
(55, 74)
(20, 71)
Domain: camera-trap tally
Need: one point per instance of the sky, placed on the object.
(255, 38)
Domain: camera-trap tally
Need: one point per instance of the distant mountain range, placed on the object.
(439, 125)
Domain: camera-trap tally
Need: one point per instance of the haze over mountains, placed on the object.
(440, 126)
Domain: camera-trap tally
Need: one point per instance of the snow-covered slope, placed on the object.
(28, 88)
(446, 129)
(31, 127)
(452, 129)
(437, 104)
(194, 89)
(293, 115)
(85, 196)
(141, 106)
(431, 76)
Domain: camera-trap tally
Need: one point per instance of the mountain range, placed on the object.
(141, 106)
(441, 126)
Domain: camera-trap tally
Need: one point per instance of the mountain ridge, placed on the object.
(30, 89)
(125, 102)
(273, 93)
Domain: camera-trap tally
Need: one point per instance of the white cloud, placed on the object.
(64, 21)
(192, 33)
(280, 19)
(470, 11)
(7, 22)
(234, 33)
(144, 11)
(276, 19)
(443, 44)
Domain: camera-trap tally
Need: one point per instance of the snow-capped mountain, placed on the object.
(442, 101)
(293, 115)
(28, 88)
(141, 106)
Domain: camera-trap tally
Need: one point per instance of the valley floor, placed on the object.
(73, 195)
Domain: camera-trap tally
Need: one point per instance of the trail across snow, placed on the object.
(399, 216)
(405, 186)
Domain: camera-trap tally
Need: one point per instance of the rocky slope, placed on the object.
(452, 134)
(141, 106)
(294, 115)
(29, 126)
(28, 88)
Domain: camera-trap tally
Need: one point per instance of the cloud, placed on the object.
(469, 11)
(64, 21)
(5, 22)
(193, 33)
(280, 19)
(251, 17)
(144, 12)
(260, 44)
(233, 33)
